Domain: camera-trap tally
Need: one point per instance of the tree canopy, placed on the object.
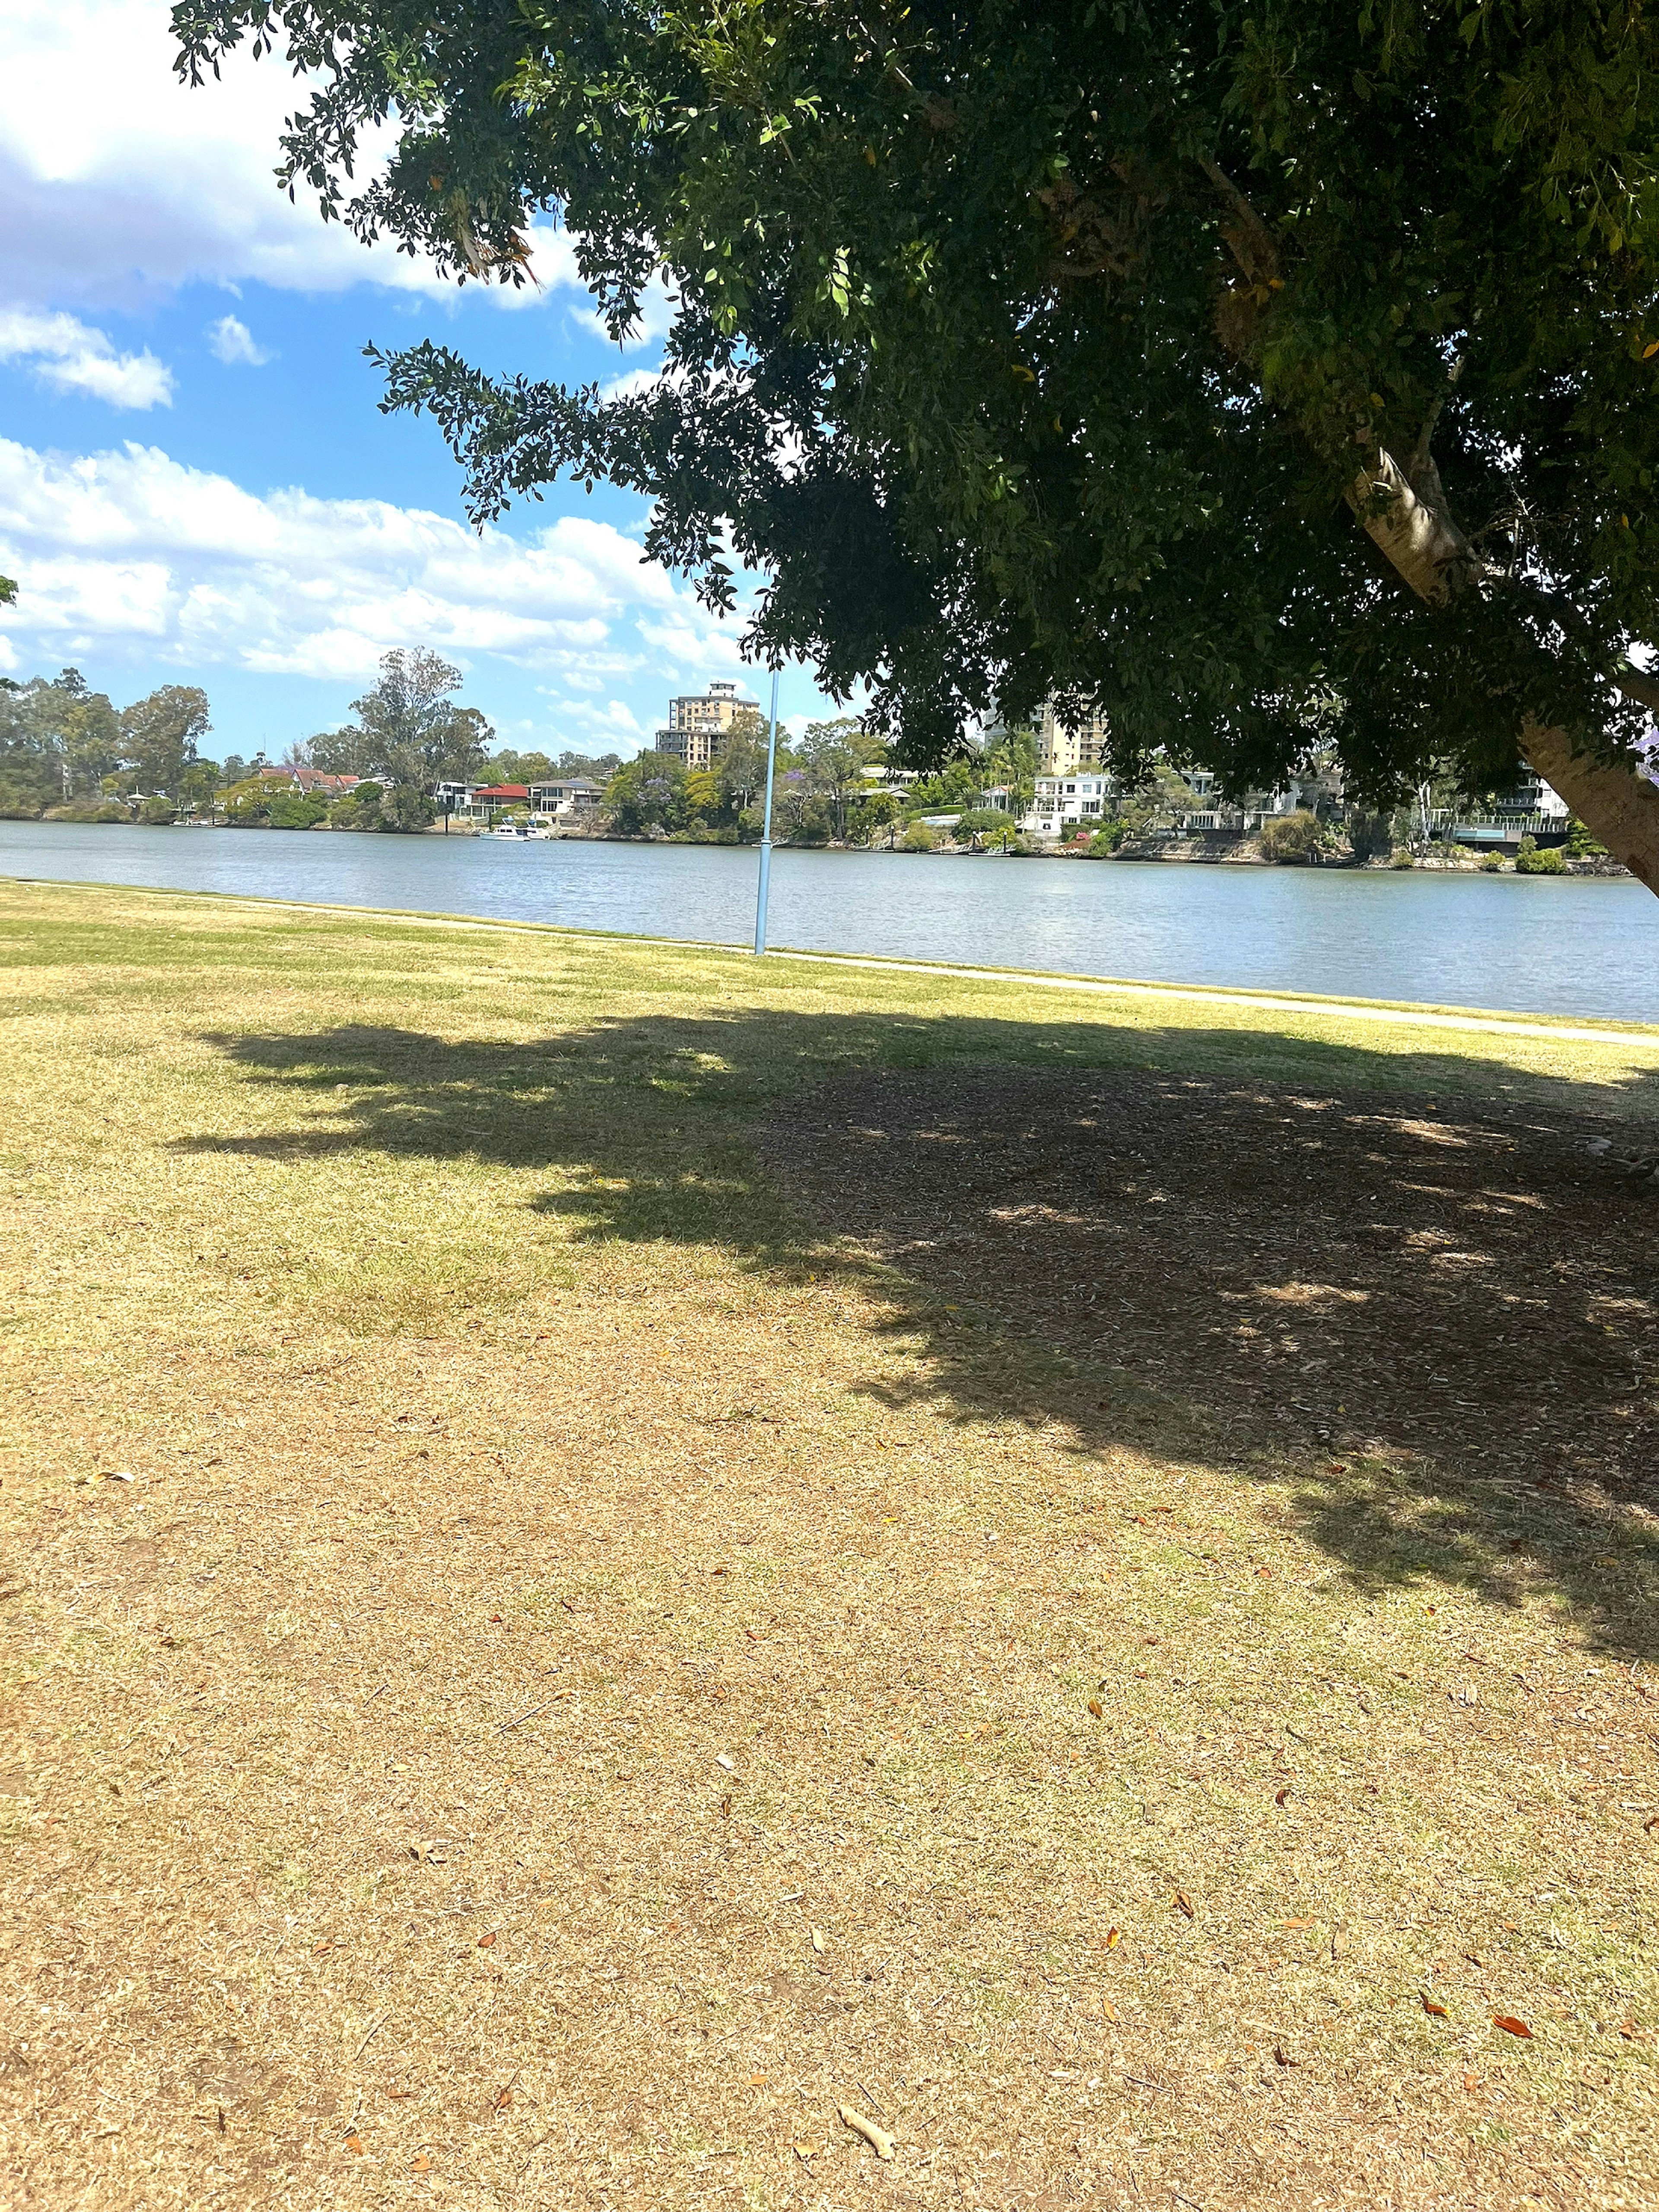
(1259, 375)
(409, 727)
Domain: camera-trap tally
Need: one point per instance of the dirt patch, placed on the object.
(1362, 1272)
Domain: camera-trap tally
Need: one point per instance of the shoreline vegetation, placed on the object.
(415, 759)
(616, 1547)
(1198, 847)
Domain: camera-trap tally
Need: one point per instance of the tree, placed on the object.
(741, 766)
(56, 739)
(1239, 369)
(408, 728)
(646, 793)
(159, 736)
(835, 756)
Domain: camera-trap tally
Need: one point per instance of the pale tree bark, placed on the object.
(1407, 515)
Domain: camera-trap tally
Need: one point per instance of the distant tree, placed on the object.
(200, 782)
(408, 728)
(741, 766)
(598, 768)
(508, 767)
(234, 771)
(159, 736)
(405, 807)
(874, 813)
(1370, 833)
(837, 755)
(648, 794)
(705, 801)
(58, 739)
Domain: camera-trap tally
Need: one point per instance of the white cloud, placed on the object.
(120, 184)
(233, 342)
(130, 556)
(69, 357)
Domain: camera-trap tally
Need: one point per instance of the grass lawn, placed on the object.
(706, 1544)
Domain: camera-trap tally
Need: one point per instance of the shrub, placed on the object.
(988, 822)
(87, 810)
(1531, 860)
(1290, 839)
(1105, 842)
(1581, 845)
(1402, 859)
(158, 811)
(918, 838)
(292, 809)
(1493, 864)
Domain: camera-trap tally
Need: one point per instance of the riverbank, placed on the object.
(1208, 848)
(613, 1549)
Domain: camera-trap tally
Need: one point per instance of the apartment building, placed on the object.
(698, 724)
(1065, 748)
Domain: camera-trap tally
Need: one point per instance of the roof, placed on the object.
(309, 779)
(501, 791)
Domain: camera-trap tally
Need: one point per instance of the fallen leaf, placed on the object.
(400, 2093)
(317, 1949)
(421, 2165)
(1471, 2083)
(484, 1941)
(817, 1939)
(756, 2080)
(1339, 1942)
(495, 1616)
(1283, 2057)
(503, 2098)
(1280, 1795)
(1429, 2006)
(1649, 1826)
(877, 2138)
(1108, 2010)
(1627, 2028)
(116, 1474)
(1298, 1923)
(1097, 1709)
(721, 1758)
(1183, 1903)
(725, 1809)
(805, 2150)
(1510, 2026)
(354, 2145)
(1113, 1939)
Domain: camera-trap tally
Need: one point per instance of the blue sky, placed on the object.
(196, 484)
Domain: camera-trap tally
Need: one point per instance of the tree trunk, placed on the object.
(1409, 523)
(1407, 515)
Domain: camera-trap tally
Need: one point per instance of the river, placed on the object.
(1581, 946)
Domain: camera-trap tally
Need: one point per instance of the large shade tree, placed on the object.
(1262, 375)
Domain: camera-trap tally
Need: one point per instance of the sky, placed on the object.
(195, 483)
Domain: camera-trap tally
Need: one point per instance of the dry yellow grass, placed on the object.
(591, 1674)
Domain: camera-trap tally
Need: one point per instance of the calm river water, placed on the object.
(1582, 946)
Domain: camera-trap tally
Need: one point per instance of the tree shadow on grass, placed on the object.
(1397, 1285)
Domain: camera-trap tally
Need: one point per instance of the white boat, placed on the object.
(515, 832)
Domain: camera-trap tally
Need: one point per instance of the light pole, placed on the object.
(765, 882)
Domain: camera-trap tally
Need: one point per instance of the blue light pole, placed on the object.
(766, 826)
